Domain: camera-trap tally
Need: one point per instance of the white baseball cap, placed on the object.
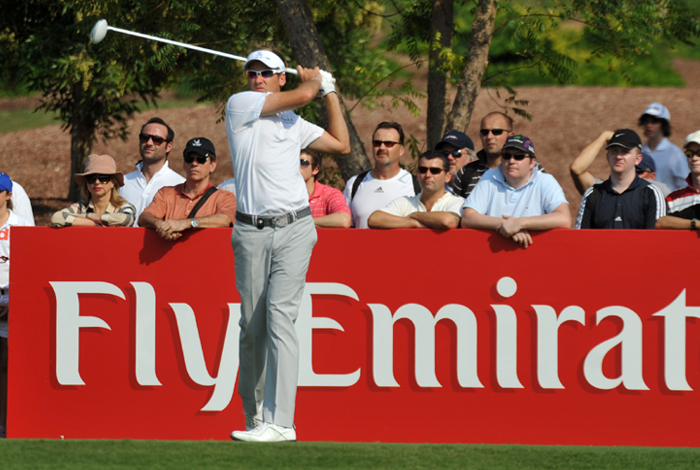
(694, 137)
(658, 110)
(268, 58)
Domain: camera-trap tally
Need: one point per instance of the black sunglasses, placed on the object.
(453, 154)
(156, 139)
(200, 159)
(264, 73)
(691, 154)
(387, 143)
(485, 132)
(433, 171)
(104, 179)
(304, 163)
(516, 156)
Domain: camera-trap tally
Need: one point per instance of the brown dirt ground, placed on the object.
(565, 119)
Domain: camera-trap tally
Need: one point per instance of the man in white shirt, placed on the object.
(153, 173)
(433, 207)
(515, 197)
(372, 190)
(21, 204)
(671, 164)
(274, 233)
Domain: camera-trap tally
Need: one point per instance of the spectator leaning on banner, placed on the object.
(101, 204)
(433, 207)
(684, 204)
(459, 148)
(372, 190)
(624, 201)
(194, 204)
(153, 171)
(517, 197)
(328, 207)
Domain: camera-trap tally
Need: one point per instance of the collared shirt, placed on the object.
(493, 196)
(171, 202)
(265, 154)
(122, 216)
(326, 200)
(671, 164)
(637, 207)
(466, 178)
(140, 193)
(21, 205)
(683, 198)
(12, 221)
(404, 206)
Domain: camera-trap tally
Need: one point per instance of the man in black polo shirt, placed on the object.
(624, 201)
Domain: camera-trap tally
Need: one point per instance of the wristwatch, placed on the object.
(693, 224)
(194, 223)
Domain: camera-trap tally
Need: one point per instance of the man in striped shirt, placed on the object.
(624, 201)
(328, 207)
(684, 204)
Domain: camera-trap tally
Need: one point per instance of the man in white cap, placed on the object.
(684, 204)
(671, 167)
(274, 233)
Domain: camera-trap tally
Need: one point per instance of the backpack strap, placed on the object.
(356, 184)
(593, 201)
(201, 202)
(416, 185)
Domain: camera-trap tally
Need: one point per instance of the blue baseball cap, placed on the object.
(5, 182)
(457, 139)
(647, 163)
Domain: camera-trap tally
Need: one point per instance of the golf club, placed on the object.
(99, 31)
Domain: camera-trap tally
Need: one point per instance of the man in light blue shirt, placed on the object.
(671, 164)
(515, 197)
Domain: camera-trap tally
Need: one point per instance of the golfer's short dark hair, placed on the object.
(665, 125)
(157, 120)
(431, 154)
(390, 125)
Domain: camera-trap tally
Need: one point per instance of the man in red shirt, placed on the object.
(328, 207)
(195, 203)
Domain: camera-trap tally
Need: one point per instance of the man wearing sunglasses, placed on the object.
(433, 207)
(684, 204)
(495, 129)
(195, 203)
(517, 197)
(459, 148)
(372, 190)
(274, 233)
(671, 167)
(327, 204)
(624, 201)
(153, 171)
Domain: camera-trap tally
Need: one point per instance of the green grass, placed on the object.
(108, 454)
(24, 119)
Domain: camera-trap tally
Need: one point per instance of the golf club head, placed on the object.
(99, 31)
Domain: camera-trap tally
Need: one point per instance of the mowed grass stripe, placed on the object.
(110, 454)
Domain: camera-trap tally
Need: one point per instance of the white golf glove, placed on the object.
(327, 83)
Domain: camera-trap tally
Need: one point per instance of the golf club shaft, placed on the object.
(187, 46)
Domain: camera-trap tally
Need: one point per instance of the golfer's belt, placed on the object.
(278, 221)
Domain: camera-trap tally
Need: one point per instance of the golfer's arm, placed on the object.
(558, 218)
(336, 140)
(440, 220)
(289, 100)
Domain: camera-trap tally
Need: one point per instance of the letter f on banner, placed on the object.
(68, 324)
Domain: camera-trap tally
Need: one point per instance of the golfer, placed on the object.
(274, 233)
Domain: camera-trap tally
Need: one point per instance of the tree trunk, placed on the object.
(441, 32)
(308, 51)
(477, 60)
(82, 136)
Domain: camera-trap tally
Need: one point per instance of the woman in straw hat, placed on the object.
(102, 206)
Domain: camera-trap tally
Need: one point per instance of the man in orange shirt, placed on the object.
(195, 203)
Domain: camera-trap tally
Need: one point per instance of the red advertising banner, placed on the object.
(586, 337)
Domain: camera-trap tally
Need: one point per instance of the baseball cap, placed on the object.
(658, 110)
(201, 146)
(520, 142)
(268, 58)
(694, 137)
(626, 138)
(647, 163)
(5, 182)
(457, 139)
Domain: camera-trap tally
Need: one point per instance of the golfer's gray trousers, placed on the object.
(271, 265)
